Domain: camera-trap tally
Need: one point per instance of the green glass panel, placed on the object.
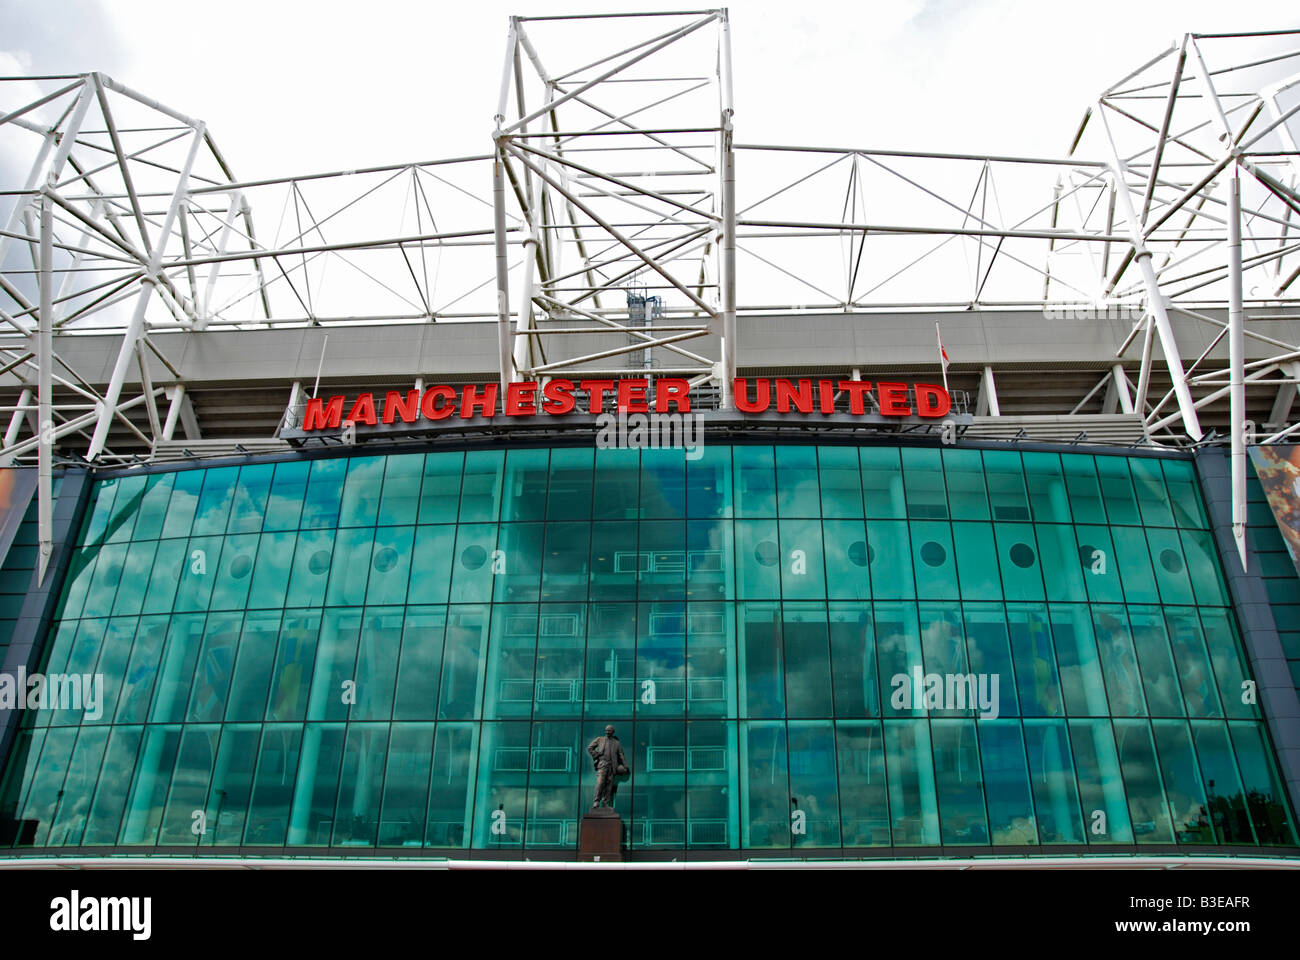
(1076, 656)
(847, 572)
(561, 643)
(1184, 493)
(1192, 662)
(803, 574)
(711, 660)
(806, 648)
(798, 491)
(460, 693)
(614, 561)
(1005, 476)
(198, 573)
(758, 559)
(1019, 562)
(617, 484)
(658, 758)
(1006, 784)
(474, 561)
(977, 561)
(840, 479)
(1228, 811)
(1152, 497)
(234, 572)
(523, 488)
(1133, 560)
(932, 559)
(568, 496)
(959, 782)
(709, 483)
(211, 683)
(135, 578)
(814, 786)
(253, 666)
(765, 809)
(316, 789)
(152, 511)
(214, 501)
(1058, 551)
(451, 786)
(406, 785)
(663, 483)
(350, 568)
(277, 765)
(1083, 488)
(923, 484)
(1046, 484)
(913, 803)
(882, 483)
(1184, 789)
(294, 662)
(712, 785)
(1265, 794)
(273, 569)
(149, 785)
(500, 805)
(1100, 566)
(432, 560)
(399, 504)
(311, 567)
(511, 662)
(356, 819)
(864, 799)
(320, 507)
(1203, 568)
(1148, 810)
(284, 503)
(516, 564)
(142, 671)
(440, 488)
(390, 565)
(1160, 679)
(1101, 785)
(249, 499)
(336, 659)
(565, 561)
(898, 653)
(69, 817)
(180, 655)
(988, 653)
(1118, 662)
(661, 660)
(359, 505)
(762, 687)
(105, 815)
(1117, 490)
(1170, 566)
(967, 495)
(121, 520)
(853, 661)
(196, 759)
(710, 568)
(420, 666)
(755, 481)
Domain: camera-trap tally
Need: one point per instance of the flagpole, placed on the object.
(943, 357)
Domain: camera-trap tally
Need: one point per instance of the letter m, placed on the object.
(320, 415)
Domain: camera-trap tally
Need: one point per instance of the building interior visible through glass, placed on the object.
(413, 651)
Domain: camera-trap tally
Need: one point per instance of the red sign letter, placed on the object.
(932, 401)
(740, 395)
(596, 393)
(521, 399)
(407, 409)
(363, 411)
(893, 399)
(320, 415)
(429, 406)
(559, 396)
(631, 396)
(674, 391)
(857, 391)
(470, 398)
(802, 397)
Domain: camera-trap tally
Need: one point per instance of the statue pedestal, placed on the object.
(601, 836)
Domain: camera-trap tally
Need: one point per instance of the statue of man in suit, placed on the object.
(609, 762)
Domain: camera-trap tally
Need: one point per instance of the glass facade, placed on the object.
(806, 650)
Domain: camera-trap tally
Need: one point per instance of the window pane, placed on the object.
(1264, 790)
(1118, 662)
(433, 558)
(455, 748)
(898, 650)
(1219, 773)
(248, 503)
(1184, 789)
(257, 645)
(709, 484)
(936, 571)
(618, 478)
(841, 482)
(311, 819)
(663, 483)
(614, 561)
(989, 656)
(460, 694)
(1146, 798)
(610, 680)
(1006, 783)
(755, 479)
(1083, 488)
(798, 492)
(324, 491)
(473, 563)
(1192, 662)
(1117, 490)
(959, 782)
(294, 662)
(710, 565)
(807, 652)
(853, 662)
(882, 483)
(764, 786)
(356, 818)
(1184, 493)
(1019, 562)
(311, 567)
(420, 667)
(1160, 679)
(913, 805)
(977, 561)
(762, 689)
(511, 659)
(1005, 476)
(272, 570)
(400, 502)
(1152, 497)
(964, 472)
(1056, 798)
(1076, 654)
(376, 672)
(273, 784)
(523, 490)
(847, 575)
(480, 492)
(285, 500)
(1099, 564)
(1037, 680)
(440, 488)
(661, 660)
(1134, 563)
(802, 572)
(758, 555)
(406, 785)
(1101, 787)
(390, 565)
(923, 484)
(814, 790)
(569, 495)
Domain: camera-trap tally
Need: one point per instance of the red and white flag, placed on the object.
(943, 355)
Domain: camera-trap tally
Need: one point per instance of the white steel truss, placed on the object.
(609, 203)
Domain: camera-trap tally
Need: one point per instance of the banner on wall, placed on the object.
(16, 489)
(1278, 469)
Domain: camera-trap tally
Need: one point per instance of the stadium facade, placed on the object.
(367, 584)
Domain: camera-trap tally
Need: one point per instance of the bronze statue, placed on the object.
(609, 762)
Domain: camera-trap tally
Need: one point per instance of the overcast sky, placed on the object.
(290, 88)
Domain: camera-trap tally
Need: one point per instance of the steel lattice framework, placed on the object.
(609, 204)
